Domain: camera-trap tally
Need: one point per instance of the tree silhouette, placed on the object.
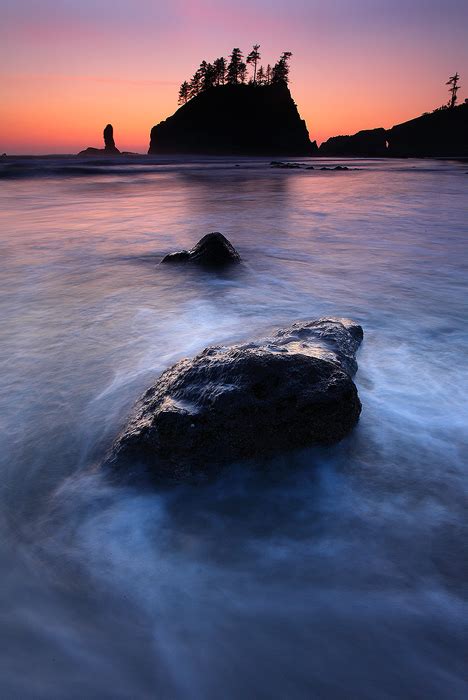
(195, 84)
(242, 72)
(235, 66)
(261, 78)
(184, 93)
(280, 72)
(207, 75)
(254, 57)
(219, 66)
(210, 75)
(453, 89)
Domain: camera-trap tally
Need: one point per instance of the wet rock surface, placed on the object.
(212, 251)
(290, 390)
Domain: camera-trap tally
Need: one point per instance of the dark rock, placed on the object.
(235, 120)
(337, 167)
(109, 145)
(213, 250)
(370, 143)
(287, 166)
(441, 133)
(290, 390)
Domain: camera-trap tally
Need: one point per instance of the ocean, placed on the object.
(327, 573)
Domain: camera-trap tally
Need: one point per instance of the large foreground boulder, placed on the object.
(290, 390)
(213, 250)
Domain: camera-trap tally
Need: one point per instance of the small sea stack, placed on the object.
(109, 149)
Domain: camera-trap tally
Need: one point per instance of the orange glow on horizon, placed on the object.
(65, 76)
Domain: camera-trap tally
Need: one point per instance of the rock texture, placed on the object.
(213, 250)
(289, 390)
(235, 119)
(109, 149)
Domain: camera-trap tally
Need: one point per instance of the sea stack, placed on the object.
(109, 149)
(235, 120)
(109, 143)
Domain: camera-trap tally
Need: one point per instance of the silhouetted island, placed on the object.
(109, 149)
(442, 133)
(223, 114)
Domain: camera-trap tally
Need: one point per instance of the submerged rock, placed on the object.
(213, 250)
(337, 167)
(280, 164)
(290, 390)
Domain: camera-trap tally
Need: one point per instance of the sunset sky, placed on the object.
(70, 66)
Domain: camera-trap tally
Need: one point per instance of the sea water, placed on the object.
(334, 573)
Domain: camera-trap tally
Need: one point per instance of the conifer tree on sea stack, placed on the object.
(242, 72)
(253, 58)
(280, 72)
(207, 74)
(195, 84)
(219, 66)
(453, 89)
(261, 78)
(235, 67)
(184, 93)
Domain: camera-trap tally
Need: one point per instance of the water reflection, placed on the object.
(318, 574)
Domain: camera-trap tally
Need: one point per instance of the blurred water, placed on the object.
(330, 574)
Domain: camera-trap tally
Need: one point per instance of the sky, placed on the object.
(68, 67)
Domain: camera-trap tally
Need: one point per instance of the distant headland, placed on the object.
(225, 110)
(442, 133)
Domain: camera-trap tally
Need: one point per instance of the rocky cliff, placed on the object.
(443, 133)
(439, 134)
(235, 119)
(363, 144)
